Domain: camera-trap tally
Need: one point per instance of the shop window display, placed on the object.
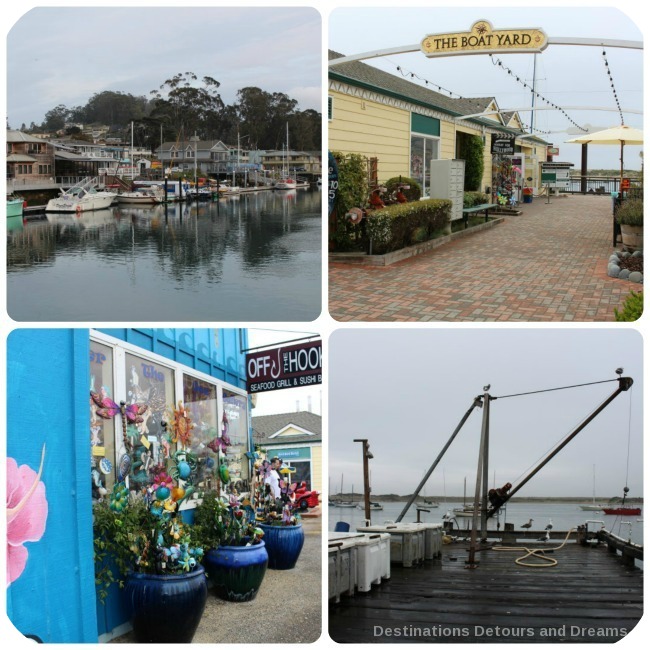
(423, 151)
(235, 413)
(102, 430)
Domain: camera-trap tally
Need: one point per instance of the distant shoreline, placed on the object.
(396, 498)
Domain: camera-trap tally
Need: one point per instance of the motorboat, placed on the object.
(142, 195)
(82, 197)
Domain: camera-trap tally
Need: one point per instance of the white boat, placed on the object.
(593, 506)
(286, 182)
(143, 195)
(228, 190)
(427, 504)
(82, 197)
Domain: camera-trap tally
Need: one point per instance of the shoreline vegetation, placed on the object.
(396, 498)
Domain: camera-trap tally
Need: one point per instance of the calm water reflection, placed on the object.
(256, 257)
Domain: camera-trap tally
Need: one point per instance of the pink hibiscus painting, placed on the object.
(26, 513)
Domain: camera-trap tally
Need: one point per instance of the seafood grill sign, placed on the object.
(483, 39)
(285, 367)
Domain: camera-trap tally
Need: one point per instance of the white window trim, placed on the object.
(120, 348)
(425, 194)
(292, 426)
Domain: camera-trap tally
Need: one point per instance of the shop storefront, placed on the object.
(405, 126)
(74, 446)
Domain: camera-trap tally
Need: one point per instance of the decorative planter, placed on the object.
(632, 237)
(166, 608)
(237, 571)
(283, 544)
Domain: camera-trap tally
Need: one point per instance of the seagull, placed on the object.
(550, 525)
(486, 388)
(619, 371)
(528, 525)
(545, 538)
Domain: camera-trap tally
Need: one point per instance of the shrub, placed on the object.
(630, 212)
(412, 194)
(398, 226)
(471, 151)
(470, 199)
(632, 307)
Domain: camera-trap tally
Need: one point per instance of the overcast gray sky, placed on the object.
(64, 55)
(406, 390)
(568, 76)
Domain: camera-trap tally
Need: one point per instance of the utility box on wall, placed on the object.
(448, 182)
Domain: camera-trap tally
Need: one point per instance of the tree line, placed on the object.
(183, 106)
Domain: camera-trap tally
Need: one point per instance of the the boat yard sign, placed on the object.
(483, 39)
(284, 367)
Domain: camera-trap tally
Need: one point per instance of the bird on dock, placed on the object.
(528, 525)
(619, 371)
(545, 538)
(550, 525)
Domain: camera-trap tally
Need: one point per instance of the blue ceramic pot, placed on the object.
(283, 544)
(166, 608)
(237, 571)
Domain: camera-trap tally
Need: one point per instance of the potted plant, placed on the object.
(141, 543)
(236, 558)
(630, 217)
(277, 517)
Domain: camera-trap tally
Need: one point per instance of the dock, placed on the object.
(590, 596)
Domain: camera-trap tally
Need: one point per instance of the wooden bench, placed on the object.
(478, 208)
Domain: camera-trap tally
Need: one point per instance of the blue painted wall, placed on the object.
(47, 403)
(216, 352)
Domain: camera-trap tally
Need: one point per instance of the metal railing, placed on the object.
(596, 185)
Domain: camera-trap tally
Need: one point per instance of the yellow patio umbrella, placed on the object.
(617, 135)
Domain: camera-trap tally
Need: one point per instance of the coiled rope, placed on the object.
(535, 552)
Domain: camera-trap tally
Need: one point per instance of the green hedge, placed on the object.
(412, 194)
(398, 226)
(470, 199)
(632, 308)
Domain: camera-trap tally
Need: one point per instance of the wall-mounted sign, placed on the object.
(503, 144)
(483, 39)
(332, 181)
(552, 151)
(285, 367)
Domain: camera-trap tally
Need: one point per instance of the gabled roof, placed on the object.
(19, 136)
(266, 426)
(20, 158)
(362, 74)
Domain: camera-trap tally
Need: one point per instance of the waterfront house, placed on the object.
(279, 162)
(404, 125)
(30, 160)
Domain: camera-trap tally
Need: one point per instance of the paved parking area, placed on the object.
(547, 264)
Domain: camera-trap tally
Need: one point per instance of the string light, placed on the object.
(406, 73)
(498, 62)
(611, 83)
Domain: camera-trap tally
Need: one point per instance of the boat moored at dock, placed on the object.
(82, 197)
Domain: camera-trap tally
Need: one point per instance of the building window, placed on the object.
(424, 149)
(235, 420)
(23, 169)
(152, 385)
(102, 430)
(120, 372)
(45, 170)
(200, 398)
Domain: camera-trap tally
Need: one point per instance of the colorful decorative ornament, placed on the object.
(224, 474)
(105, 466)
(119, 498)
(182, 426)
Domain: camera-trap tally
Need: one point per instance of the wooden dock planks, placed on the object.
(589, 597)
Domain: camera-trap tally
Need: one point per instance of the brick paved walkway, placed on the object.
(548, 264)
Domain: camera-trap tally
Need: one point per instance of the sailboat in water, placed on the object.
(286, 182)
(593, 506)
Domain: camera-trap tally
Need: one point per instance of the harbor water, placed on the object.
(563, 516)
(251, 257)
